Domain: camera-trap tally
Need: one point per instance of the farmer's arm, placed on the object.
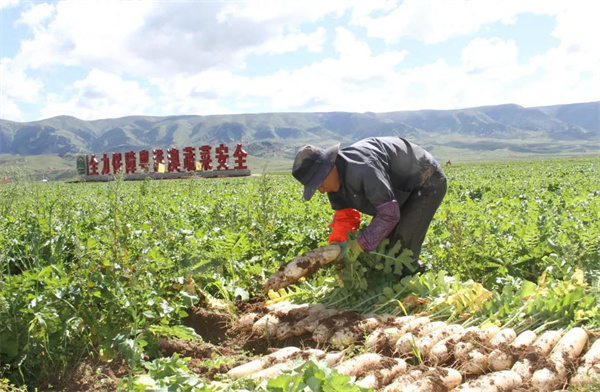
(379, 192)
(382, 224)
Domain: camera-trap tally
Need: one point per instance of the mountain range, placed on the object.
(559, 129)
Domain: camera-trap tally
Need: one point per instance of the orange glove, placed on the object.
(344, 220)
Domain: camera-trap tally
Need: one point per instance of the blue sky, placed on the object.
(106, 59)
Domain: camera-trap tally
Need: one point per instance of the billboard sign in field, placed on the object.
(168, 163)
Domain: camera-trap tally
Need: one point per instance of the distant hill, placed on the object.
(560, 129)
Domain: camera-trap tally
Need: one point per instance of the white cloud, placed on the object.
(433, 21)
(340, 83)
(493, 56)
(9, 3)
(313, 42)
(15, 84)
(195, 53)
(286, 11)
(99, 95)
(9, 109)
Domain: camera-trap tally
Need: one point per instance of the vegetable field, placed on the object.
(158, 286)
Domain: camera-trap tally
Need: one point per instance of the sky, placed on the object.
(95, 59)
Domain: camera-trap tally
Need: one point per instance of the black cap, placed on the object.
(312, 165)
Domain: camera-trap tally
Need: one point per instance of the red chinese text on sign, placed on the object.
(117, 161)
(189, 158)
(93, 166)
(105, 165)
(130, 162)
(173, 157)
(240, 158)
(222, 154)
(158, 158)
(205, 159)
(144, 160)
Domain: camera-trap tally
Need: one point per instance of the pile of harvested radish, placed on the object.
(415, 353)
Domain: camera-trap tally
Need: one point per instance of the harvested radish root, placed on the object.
(270, 322)
(407, 341)
(504, 357)
(284, 359)
(504, 380)
(473, 340)
(327, 327)
(303, 265)
(307, 325)
(378, 378)
(267, 324)
(442, 351)
(351, 334)
(432, 379)
(246, 322)
(477, 360)
(288, 319)
(359, 364)
(589, 371)
(382, 338)
(427, 341)
(539, 349)
(422, 340)
(554, 374)
(259, 364)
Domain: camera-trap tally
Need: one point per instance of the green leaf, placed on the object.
(528, 289)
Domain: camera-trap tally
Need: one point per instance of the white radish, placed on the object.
(468, 342)
(259, 364)
(415, 324)
(427, 328)
(406, 345)
(592, 356)
(426, 381)
(344, 337)
(546, 342)
(302, 356)
(307, 324)
(401, 321)
(426, 342)
(359, 363)
(382, 338)
(329, 326)
(270, 321)
(442, 350)
(541, 348)
(551, 377)
(505, 380)
(568, 348)
(369, 324)
(351, 334)
(273, 371)
(477, 362)
(503, 358)
(332, 359)
(267, 324)
(247, 321)
(589, 371)
(403, 381)
(571, 345)
(383, 376)
(303, 265)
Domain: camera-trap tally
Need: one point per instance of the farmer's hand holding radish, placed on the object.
(397, 182)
